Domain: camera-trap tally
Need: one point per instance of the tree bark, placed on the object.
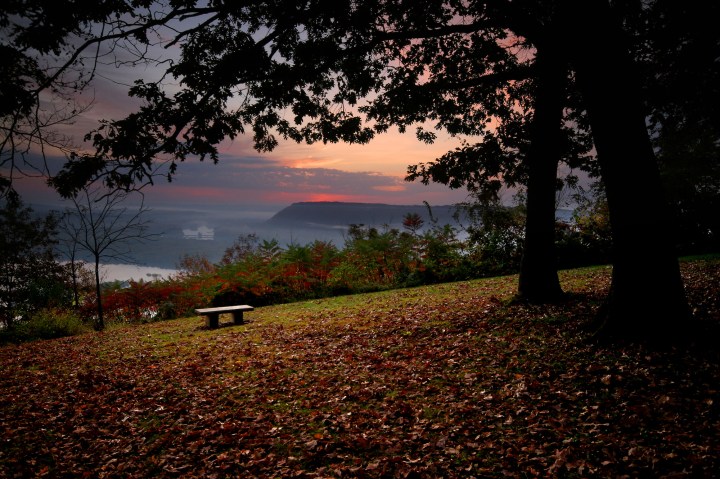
(100, 321)
(538, 280)
(646, 297)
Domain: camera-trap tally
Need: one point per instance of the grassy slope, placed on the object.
(442, 381)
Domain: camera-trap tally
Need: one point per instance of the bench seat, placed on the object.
(212, 315)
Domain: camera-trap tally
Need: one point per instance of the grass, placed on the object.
(451, 380)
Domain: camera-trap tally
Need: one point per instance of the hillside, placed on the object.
(341, 215)
(445, 381)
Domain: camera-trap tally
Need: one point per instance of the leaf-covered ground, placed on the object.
(445, 381)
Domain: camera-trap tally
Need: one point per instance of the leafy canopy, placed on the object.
(330, 71)
(314, 71)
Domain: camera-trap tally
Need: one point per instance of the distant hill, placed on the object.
(340, 214)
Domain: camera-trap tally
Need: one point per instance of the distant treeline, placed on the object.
(261, 272)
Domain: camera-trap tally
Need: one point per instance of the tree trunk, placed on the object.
(538, 270)
(74, 272)
(99, 322)
(647, 297)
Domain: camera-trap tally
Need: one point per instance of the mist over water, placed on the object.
(208, 230)
(129, 272)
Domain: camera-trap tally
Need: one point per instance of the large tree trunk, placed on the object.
(538, 270)
(647, 297)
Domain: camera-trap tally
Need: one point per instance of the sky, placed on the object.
(370, 173)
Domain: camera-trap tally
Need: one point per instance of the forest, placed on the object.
(263, 272)
(406, 352)
(627, 103)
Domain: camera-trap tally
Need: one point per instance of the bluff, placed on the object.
(341, 214)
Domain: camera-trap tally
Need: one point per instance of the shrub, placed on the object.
(167, 310)
(588, 238)
(47, 324)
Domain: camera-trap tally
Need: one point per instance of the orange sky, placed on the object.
(385, 160)
(292, 172)
(371, 173)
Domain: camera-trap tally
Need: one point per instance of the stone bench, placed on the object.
(212, 315)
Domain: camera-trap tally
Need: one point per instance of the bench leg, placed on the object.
(213, 320)
(237, 317)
